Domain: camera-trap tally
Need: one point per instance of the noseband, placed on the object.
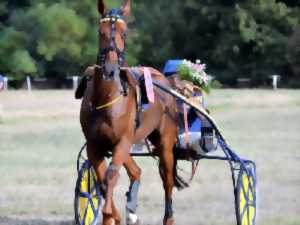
(113, 17)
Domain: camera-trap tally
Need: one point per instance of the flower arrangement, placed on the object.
(195, 73)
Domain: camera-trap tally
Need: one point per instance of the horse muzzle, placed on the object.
(111, 71)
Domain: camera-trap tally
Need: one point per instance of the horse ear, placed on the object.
(126, 8)
(101, 7)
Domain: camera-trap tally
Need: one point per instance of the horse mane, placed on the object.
(88, 73)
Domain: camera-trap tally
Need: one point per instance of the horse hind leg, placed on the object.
(134, 173)
(166, 166)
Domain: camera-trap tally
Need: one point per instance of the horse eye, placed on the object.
(102, 35)
(124, 35)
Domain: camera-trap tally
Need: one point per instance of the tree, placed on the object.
(249, 38)
(293, 57)
(235, 38)
(49, 38)
(266, 25)
(15, 59)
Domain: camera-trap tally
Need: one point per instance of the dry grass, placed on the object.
(40, 137)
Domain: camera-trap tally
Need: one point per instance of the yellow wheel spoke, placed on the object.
(82, 205)
(246, 199)
(88, 198)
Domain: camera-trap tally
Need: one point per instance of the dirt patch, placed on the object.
(15, 221)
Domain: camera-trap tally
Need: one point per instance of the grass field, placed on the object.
(40, 137)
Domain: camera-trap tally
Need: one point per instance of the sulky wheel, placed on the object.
(246, 195)
(87, 200)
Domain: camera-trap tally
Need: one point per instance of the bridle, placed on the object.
(113, 17)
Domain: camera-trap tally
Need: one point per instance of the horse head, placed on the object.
(112, 37)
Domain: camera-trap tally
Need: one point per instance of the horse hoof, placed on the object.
(136, 223)
(117, 219)
(108, 219)
(169, 221)
(109, 222)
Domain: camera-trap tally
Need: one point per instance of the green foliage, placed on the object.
(234, 38)
(14, 58)
(195, 73)
(216, 84)
(47, 39)
(293, 57)
(249, 38)
(22, 63)
(293, 51)
(264, 27)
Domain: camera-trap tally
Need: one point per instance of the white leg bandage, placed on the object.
(131, 218)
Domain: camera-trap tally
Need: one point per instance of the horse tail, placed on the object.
(179, 182)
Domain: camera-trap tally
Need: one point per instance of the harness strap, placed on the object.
(186, 125)
(138, 107)
(110, 103)
(194, 168)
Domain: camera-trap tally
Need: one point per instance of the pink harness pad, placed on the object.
(149, 85)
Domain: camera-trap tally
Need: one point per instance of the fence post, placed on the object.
(5, 83)
(275, 80)
(75, 82)
(28, 84)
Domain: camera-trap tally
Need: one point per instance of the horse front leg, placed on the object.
(111, 178)
(134, 173)
(166, 164)
(100, 167)
(120, 155)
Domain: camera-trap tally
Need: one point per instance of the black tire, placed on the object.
(246, 196)
(87, 201)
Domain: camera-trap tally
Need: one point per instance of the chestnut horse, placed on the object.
(108, 119)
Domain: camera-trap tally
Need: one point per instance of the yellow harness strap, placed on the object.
(109, 103)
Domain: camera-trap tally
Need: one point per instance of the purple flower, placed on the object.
(199, 67)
